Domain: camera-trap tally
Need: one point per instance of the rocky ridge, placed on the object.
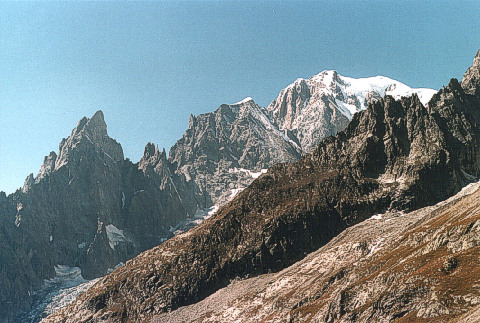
(222, 151)
(420, 266)
(88, 207)
(395, 155)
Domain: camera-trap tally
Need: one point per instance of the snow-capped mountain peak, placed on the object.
(322, 105)
(247, 99)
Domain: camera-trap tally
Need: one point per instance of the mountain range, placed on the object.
(90, 208)
(333, 236)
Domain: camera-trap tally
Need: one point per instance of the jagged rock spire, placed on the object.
(471, 78)
(47, 167)
(91, 132)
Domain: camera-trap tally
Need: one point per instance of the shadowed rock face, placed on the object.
(396, 155)
(72, 211)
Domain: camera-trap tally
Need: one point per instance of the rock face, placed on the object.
(87, 208)
(221, 151)
(393, 156)
(471, 78)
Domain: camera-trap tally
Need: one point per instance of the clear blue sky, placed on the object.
(149, 65)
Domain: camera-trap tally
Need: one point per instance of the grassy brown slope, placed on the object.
(416, 267)
(430, 273)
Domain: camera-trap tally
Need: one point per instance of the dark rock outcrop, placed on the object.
(396, 155)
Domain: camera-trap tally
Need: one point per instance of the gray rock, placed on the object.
(220, 151)
(47, 167)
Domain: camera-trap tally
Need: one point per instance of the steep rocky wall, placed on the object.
(87, 208)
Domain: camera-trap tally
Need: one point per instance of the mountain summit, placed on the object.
(324, 104)
(471, 78)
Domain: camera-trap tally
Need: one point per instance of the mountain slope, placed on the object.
(419, 266)
(219, 149)
(90, 208)
(396, 155)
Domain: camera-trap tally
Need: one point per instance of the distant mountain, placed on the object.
(89, 209)
(223, 150)
(310, 110)
(395, 156)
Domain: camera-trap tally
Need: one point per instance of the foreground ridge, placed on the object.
(420, 266)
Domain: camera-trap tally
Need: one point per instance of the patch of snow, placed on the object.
(247, 99)
(106, 154)
(248, 172)
(347, 109)
(88, 137)
(235, 192)
(199, 216)
(256, 175)
(466, 190)
(123, 199)
(361, 87)
(115, 236)
(376, 217)
(173, 184)
(351, 95)
(57, 292)
(292, 85)
(110, 270)
(82, 245)
(212, 210)
(51, 238)
(374, 248)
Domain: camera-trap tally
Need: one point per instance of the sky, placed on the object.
(149, 65)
